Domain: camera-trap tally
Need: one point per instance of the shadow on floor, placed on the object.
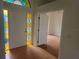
(49, 49)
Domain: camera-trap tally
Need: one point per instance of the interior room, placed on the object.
(39, 29)
(55, 22)
(49, 34)
(54, 30)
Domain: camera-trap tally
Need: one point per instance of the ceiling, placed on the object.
(42, 2)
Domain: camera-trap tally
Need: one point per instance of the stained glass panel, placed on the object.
(6, 30)
(18, 2)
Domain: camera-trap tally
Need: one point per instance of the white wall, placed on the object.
(55, 22)
(53, 6)
(69, 48)
(69, 45)
(35, 23)
(50, 7)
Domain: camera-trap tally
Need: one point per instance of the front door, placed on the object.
(16, 16)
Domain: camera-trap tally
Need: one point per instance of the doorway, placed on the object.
(55, 23)
(49, 34)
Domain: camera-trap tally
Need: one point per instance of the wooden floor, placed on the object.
(29, 53)
(52, 45)
(33, 53)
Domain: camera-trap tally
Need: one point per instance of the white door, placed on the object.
(17, 21)
(43, 29)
